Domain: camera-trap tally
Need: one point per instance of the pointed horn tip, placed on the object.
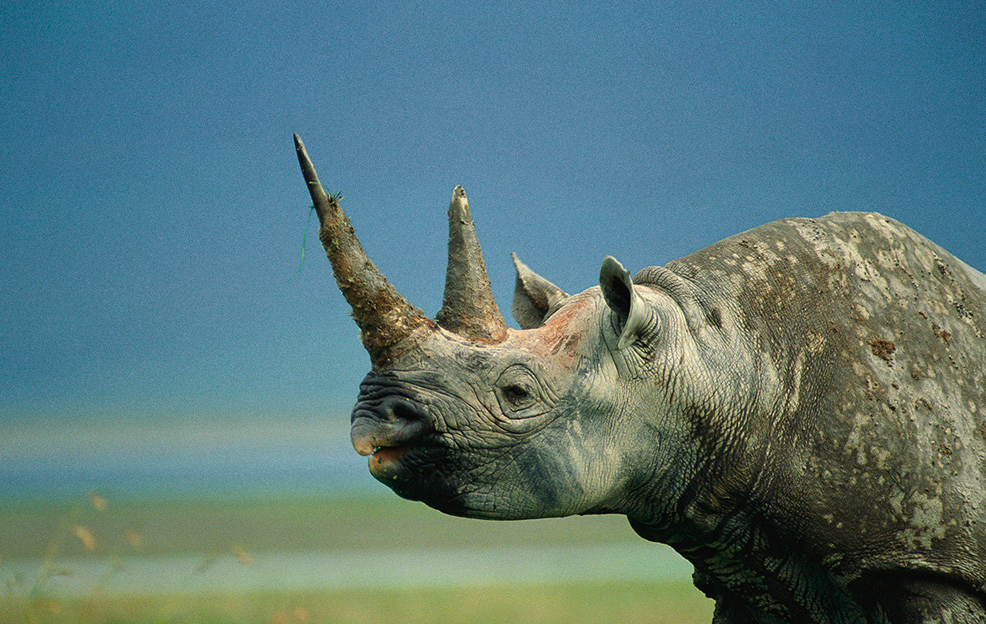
(459, 206)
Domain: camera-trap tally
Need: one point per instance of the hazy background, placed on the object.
(153, 213)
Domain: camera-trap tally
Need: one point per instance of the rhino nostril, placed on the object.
(401, 411)
(389, 423)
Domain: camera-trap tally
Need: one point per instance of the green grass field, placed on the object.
(630, 603)
(116, 534)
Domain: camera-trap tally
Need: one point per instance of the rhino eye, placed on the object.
(515, 393)
(516, 389)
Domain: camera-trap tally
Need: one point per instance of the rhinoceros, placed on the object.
(799, 410)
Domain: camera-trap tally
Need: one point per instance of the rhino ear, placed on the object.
(627, 307)
(534, 296)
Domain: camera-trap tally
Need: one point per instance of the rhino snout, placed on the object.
(386, 425)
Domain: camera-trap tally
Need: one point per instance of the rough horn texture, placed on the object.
(468, 308)
(387, 319)
(798, 410)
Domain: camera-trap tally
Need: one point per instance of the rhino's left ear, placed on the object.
(626, 304)
(534, 296)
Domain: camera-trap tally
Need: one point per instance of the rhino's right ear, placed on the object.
(534, 296)
(625, 303)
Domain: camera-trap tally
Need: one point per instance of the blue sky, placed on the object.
(153, 211)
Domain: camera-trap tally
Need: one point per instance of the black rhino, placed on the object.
(799, 410)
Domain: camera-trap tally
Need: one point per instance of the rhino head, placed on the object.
(586, 409)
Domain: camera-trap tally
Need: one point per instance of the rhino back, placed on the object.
(873, 342)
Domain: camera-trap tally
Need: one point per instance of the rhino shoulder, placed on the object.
(876, 340)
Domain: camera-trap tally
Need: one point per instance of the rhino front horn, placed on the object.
(386, 319)
(468, 308)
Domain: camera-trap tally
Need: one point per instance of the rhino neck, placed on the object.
(747, 429)
(741, 560)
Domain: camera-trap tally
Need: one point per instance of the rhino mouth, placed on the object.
(396, 432)
(385, 461)
(415, 471)
(385, 430)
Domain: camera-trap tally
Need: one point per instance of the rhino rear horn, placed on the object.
(468, 308)
(386, 319)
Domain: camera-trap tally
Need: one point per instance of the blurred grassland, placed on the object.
(118, 531)
(261, 523)
(630, 603)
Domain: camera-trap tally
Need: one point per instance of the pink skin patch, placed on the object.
(383, 461)
(560, 338)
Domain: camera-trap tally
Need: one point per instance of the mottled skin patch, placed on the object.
(876, 468)
(798, 410)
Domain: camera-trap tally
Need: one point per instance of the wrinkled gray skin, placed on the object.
(798, 410)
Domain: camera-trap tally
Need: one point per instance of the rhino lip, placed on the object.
(393, 428)
(388, 453)
(387, 462)
(390, 449)
(372, 438)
